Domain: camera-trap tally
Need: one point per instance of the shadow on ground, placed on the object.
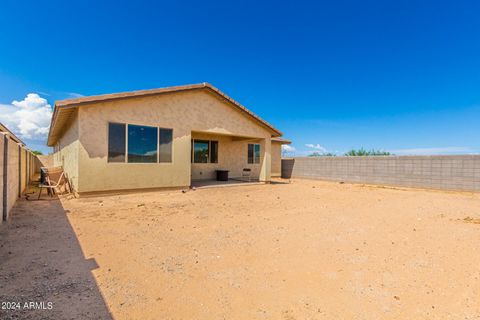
(279, 182)
(41, 261)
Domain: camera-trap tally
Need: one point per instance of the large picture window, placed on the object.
(204, 151)
(116, 142)
(142, 144)
(146, 144)
(253, 153)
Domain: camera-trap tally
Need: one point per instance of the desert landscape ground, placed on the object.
(300, 250)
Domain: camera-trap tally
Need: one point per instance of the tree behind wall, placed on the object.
(362, 152)
(318, 154)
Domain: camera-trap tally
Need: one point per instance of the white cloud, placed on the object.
(75, 95)
(28, 118)
(288, 148)
(316, 147)
(435, 151)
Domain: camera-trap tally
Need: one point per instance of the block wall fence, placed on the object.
(18, 167)
(460, 172)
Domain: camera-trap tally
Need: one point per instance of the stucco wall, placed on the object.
(436, 172)
(46, 160)
(266, 160)
(276, 159)
(184, 112)
(67, 152)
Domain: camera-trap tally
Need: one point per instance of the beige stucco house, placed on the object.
(160, 138)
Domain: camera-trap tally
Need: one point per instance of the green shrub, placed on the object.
(325, 154)
(362, 152)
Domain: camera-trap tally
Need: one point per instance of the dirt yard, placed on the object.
(305, 250)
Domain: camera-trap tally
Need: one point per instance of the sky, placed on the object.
(400, 76)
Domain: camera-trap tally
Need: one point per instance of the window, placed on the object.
(116, 142)
(256, 158)
(204, 151)
(142, 144)
(213, 151)
(165, 145)
(253, 153)
(200, 151)
(145, 144)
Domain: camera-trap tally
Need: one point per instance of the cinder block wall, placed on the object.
(13, 180)
(19, 167)
(23, 169)
(435, 172)
(1, 177)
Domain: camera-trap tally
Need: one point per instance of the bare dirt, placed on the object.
(305, 250)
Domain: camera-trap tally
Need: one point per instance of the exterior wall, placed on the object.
(23, 171)
(184, 112)
(18, 174)
(46, 160)
(276, 159)
(35, 165)
(266, 159)
(232, 156)
(2, 144)
(67, 152)
(435, 172)
(12, 181)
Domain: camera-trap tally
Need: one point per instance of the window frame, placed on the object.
(157, 136)
(126, 143)
(108, 141)
(253, 156)
(209, 151)
(158, 142)
(193, 151)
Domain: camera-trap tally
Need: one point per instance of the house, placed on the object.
(160, 138)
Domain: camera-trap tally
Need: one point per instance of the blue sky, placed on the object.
(393, 75)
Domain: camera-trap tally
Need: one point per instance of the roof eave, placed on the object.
(281, 140)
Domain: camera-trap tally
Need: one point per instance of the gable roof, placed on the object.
(65, 108)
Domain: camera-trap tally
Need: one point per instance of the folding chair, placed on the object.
(246, 173)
